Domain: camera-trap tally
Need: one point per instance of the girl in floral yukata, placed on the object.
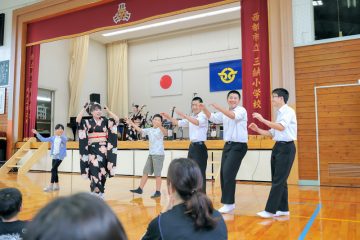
(97, 146)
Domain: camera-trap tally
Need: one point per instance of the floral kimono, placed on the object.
(98, 151)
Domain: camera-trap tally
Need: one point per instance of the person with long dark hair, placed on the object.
(77, 217)
(97, 146)
(190, 213)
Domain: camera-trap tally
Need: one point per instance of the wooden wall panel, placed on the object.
(322, 65)
(4, 117)
(339, 145)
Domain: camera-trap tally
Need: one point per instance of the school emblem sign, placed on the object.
(122, 14)
(225, 76)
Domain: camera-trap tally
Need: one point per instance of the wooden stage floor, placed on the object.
(316, 212)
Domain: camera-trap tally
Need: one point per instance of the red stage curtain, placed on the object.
(102, 16)
(255, 59)
(31, 88)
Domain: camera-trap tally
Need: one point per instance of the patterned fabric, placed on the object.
(156, 140)
(98, 159)
(13, 230)
(131, 134)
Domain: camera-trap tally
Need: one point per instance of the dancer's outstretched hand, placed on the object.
(214, 105)
(253, 127)
(258, 116)
(180, 114)
(165, 115)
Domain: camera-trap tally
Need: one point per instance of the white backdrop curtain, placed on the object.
(78, 61)
(117, 62)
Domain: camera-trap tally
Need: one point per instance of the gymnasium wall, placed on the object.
(321, 65)
(189, 51)
(7, 7)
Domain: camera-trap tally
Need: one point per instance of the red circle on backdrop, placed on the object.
(165, 82)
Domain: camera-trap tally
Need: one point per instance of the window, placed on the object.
(44, 112)
(336, 18)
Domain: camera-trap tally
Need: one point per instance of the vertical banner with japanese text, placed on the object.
(31, 89)
(255, 56)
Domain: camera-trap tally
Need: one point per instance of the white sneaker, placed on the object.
(98, 194)
(102, 196)
(281, 213)
(265, 214)
(226, 208)
(48, 189)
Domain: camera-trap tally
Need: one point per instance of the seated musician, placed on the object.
(131, 133)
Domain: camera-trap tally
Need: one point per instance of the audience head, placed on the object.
(184, 177)
(78, 217)
(10, 203)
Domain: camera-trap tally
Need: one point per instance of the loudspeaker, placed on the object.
(95, 97)
(2, 26)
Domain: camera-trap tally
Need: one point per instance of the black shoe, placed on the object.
(156, 194)
(138, 190)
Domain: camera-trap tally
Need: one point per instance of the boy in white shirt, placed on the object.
(234, 120)
(284, 132)
(198, 127)
(156, 156)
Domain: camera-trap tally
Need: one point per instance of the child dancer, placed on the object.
(57, 152)
(154, 163)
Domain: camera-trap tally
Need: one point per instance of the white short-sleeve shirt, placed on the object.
(287, 118)
(196, 133)
(156, 140)
(235, 130)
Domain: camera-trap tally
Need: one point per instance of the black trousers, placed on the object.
(54, 170)
(199, 153)
(282, 158)
(233, 154)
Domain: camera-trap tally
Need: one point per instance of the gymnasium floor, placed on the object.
(316, 212)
